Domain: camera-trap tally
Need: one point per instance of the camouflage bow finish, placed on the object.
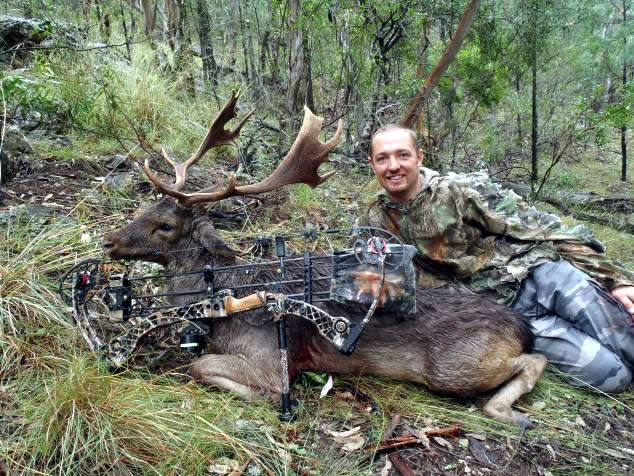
(467, 228)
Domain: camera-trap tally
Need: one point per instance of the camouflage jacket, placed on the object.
(467, 228)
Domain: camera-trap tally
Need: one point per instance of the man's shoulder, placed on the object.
(471, 184)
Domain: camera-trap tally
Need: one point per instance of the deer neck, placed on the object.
(182, 263)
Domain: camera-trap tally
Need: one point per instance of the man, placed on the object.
(467, 229)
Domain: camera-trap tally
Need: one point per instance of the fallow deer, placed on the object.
(455, 343)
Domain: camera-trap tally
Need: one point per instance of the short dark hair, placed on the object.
(389, 128)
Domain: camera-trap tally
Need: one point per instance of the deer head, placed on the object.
(177, 229)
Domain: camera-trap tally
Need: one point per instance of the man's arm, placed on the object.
(503, 212)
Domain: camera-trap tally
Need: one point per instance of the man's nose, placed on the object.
(393, 164)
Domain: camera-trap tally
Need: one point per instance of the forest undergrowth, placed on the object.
(64, 412)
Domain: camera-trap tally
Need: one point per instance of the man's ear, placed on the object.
(420, 156)
(371, 164)
(206, 235)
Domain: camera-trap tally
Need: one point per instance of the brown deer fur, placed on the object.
(456, 343)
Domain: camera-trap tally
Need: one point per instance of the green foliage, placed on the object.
(27, 94)
(485, 81)
(621, 114)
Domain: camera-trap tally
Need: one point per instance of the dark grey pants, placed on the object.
(579, 327)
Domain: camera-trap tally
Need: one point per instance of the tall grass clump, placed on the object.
(86, 420)
(106, 97)
(33, 322)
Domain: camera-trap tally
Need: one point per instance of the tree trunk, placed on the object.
(179, 42)
(126, 34)
(245, 52)
(149, 14)
(448, 56)
(255, 77)
(520, 136)
(295, 65)
(534, 164)
(296, 55)
(210, 68)
(623, 128)
(309, 98)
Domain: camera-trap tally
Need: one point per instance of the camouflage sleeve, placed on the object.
(504, 212)
(608, 272)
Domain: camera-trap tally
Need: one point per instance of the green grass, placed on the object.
(64, 413)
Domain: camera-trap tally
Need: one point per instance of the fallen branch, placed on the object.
(626, 227)
(395, 458)
(612, 204)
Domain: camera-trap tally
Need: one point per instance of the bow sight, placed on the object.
(115, 310)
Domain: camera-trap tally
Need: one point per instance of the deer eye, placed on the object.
(165, 227)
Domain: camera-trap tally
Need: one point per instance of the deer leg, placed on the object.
(530, 368)
(238, 375)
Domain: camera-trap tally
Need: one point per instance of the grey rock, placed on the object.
(33, 213)
(14, 145)
(6, 169)
(14, 141)
(18, 33)
(113, 161)
(118, 182)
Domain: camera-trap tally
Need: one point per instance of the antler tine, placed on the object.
(300, 165)
(216, 136)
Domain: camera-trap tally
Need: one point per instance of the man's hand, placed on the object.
(625, 295)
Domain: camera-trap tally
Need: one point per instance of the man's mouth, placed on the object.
(394, 178)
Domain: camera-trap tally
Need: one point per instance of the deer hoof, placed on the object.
(522, 421)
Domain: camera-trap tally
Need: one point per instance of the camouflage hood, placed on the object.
(468, 228)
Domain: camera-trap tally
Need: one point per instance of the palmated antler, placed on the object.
(216, 136)
(300, 165)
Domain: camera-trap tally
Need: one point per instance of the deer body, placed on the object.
(456, 343)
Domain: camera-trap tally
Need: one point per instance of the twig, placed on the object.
(395, 458)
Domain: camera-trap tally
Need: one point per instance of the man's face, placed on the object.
(395, 162)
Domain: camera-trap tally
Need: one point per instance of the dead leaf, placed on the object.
(607, 427)
(579, 421)
(464, 443)
(353, 443)
(188, 404)
(477, 436)
(343, 434)
(344, 395)
(538, 405)
(385, 471)
(48, 197)
(550, 449)
(421, 437)
(442, 442)
(326, 388)
(223, 465)
(477, 449)
(627, 451)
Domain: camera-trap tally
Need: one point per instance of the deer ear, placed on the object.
(206, 235)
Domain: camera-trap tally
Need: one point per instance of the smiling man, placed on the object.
(468, 229)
